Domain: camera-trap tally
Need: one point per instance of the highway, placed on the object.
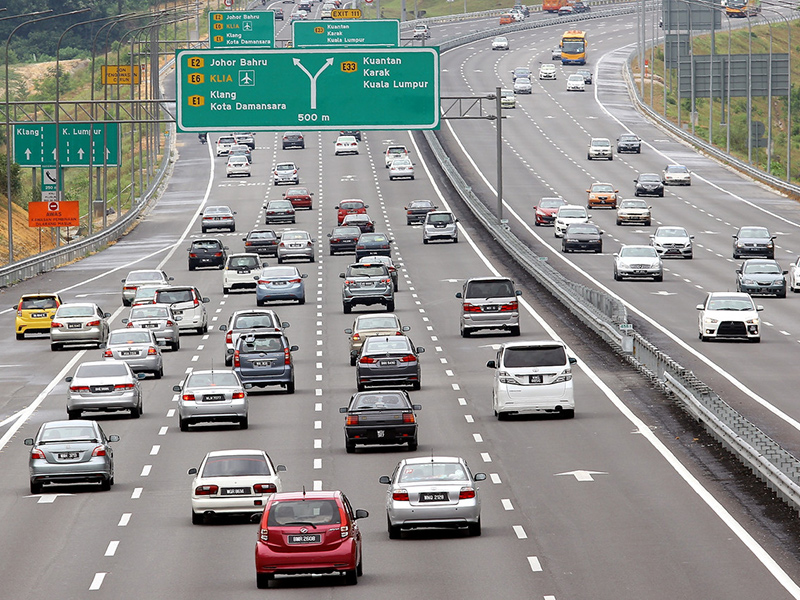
(608, 505)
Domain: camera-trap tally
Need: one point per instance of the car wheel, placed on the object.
(136, 412)
(263, 579)
(465, 333)
(191, 267)
(455, 240)
(184, 424)
(226, 290)
(347, 308)
(417, 385)
(661, 195)
(424, 241)
(175, 346)
(782, 294)
(349, 447)
(688, 256)
(20, 336)
(617, 277)
(412, 446)
(568, 414)
(475, 528)
(351, 577)
(658, 278)
(197, 518)
(610, 158)
(280, 260)
(515, 331)
(290, 387)
(73, 414)
(390, 306)
(55, 347)
(647, 223)
(360, 567)
(258, 303)
(394, 530)
(636, 194)
(159, 374)
(105, 485)
(361, 387)
(203, 229)
(243, 423)
(36, 488)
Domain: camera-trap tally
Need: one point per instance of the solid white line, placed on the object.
(112, 548)
(520, 532)
(535, 564)
(124, 520)
(97, 581)
(7, 420)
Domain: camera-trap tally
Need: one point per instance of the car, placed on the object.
(212, 396)
(582, 236)
(285, 172)
(521, 8)
(417, 209)
(349, 207)
(753, 241)
(380, 418)
(160, 319)
(278, 13)
(547, 71)
(506, 19)
(544, 213)
(369, 325)
(580, 7)
(388, 360)
(224, 144)
(676, 175)
(634, 211)
(79, 323)
(489, 303)
(145, 294)
(238, 272)
(566, 215)
(375, 258)
(507, 98)
(440, 225)
(794, 276)
(263, 242)
(602, 195)
(152, 277)
(218, 217)
(761, 276)
(565, 10)
(313, 532)
(368, 284)
(522, 85)
(104, 386)
(629, 142)
(587, 75)
(207, 252)
(671, 240)
(555, 54)
(600, 148)
(241, 150)
(729, 315)
(421, 31)
(237, 165)
(517, 15)
(296, 244)
(369, 244)
(188, 304)
(326, 12)
(363, 221)
(345, 144)
(264, 358)
(298, 15)
(637, 261)
(248, 321)
(393, 152)
(575, 83)
(293, 139)
(246, 138)
(343, 239)
(138, 347)
(648, 184)
(233, 482)
(354, 132)
(280, 283)
(35, 312)
(520, 72)
(279, 211)
(300, 197)
(500, 43)
(76, 451)
(401, 168)
(533, 377)
(432, 491)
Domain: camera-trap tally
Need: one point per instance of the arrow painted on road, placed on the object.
(664, 293)
(47, 498)
(583, 475)
(313, 78)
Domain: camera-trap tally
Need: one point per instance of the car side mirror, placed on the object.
(480, 477)
(285, 324)
(406, 328)
(518, 293)
(341, 275)
(336, 207)
(248, 386)
(28, 441)
(255, 277)
(170, 279)
(229, 351)
(342, 409)
(652, 236)
(691, 237)
(573, 360)
(192, 471)
(280, 468)
(222, 327)
(283, 194)
(759, 308)
(420, 349)
(459, 295)
(699, 307)
(416, 406)
(491, 364)
(115, 437)
(361, 513)
(294, 348)
(304, 275)
(329, 235)
(176, 388)
(206, 300)
(68, 379)
(179, 318)
(366, 206)
(385, 480)
(140, 376)
(122, 281)
(739, 271)
(348, 331)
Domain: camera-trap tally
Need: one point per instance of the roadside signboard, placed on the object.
(381, 33)
(346, 13)
(79, 144)
(119, 74)
(51, 186)
(307, 89)
(54, 214)
(241, 29)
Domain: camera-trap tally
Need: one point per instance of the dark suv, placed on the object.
(207, 252)
(264, 358)
(367, 283)
(629, 142)
(261, 241)
(293, 139)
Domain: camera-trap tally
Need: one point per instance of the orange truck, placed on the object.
(553, 5)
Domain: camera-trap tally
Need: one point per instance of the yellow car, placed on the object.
(35, 312)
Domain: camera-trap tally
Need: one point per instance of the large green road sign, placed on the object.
(80, 144)
(275, 90)
(241, 29)
(383, 33)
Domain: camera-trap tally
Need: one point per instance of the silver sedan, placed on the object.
(158, 318)
(135, 279)
(104, 386)
(78, 323)
(138, 347)
(433, 491)
(212, 396)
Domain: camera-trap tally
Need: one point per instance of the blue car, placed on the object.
(280, 283)
(264, 358)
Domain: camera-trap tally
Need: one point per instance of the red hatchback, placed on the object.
(300, 197)
(309, 532)
(351, 207)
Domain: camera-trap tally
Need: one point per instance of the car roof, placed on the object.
(306, 495)
(533, 343)
(234, 452)
(421, 460)
(71, 304)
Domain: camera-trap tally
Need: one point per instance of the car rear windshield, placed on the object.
(206, 245)
(489, 289)
(238, 262)
(304, 512)
(432, 472)
(145, 276)
(535, 356)
(235, 466)
(149, 312)
(68, 432)
(261, 344)
(261, 235)
(222, 378)
(351, 205)
(346, 231)
(76, 311)
(380, 401)
(377, 323)
(367, 271)
(253, 321)
(378, 345)
(129, 337)
(107, 369)
(448, 218)
(279, 272)
(294, 235)
(173, 296)
(41, 303)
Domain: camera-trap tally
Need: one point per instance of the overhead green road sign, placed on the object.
(80, 144)
(241, 29)
(382, 33)
(275, 90)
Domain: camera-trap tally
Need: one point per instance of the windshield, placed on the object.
(279, 272)
(432, 472)
(601, 143)
(174, 296)
(633, 204)
(728, 303)
(351, 205)
(572, 213)
(581, 229)
(753, 232)
(284, 167)
(129, 337)
(650, 177)
(762, 269)
(638, 252)
(602, 187)
(40, 303)
(671, 232)
(677, 169)
(537, 356)
(144, 276)
(551, 202)
(380, 400)
(271, 343)
(573, 46)
(218, 378)
(67, 432)
(233, 466)
(217, 210)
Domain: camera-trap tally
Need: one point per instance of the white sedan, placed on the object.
(676, 175)
(233, 482)
(576, 83)
(794, 276)
(401, 167)
(500, 43)
(346, 144)
(729, 315)
(522, 85)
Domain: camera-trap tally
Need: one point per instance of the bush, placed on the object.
(16, 183)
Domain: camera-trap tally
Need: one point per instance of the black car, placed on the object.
(343, 239)
(582, 236)
(629, 142)
(261, 241)
(649, 184)
(417, 209)
(363, 221)
(373, 243)
(207, 252)
(278, 14)
(388, 361)
(264, 358)
(753, 241)
(587, 75)
(354, 132)
(380, 417)
(293, 139)
(580, 7)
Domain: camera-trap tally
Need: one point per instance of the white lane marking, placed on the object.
(486, 457)
(462, 401)
(443, 360)
(163, 431)
(195, 358)
(146, 470)
(7, 420)
(200, 347)
(137, 493)
(97, 581)
(317, 444)
(317, 485)
(456, 387)
(507, 504)
(318, 392)
(124, 520)
(536, 566)
(495, 478)
(520, 532)
(549, 598)
(170, 413)
(317, 463)
(469, 419)
(448, 372)
(318, 377)
(317, 424)
(477, 437)
(112, 548)
(582, 475)
(318, 407)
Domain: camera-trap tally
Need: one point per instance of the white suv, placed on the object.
(600, 148)
(224, 144)
(239, 272)
(568, 214)
(547, 71)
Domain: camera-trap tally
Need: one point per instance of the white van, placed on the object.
(531, 378)
(187, 303)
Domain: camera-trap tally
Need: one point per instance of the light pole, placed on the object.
(788, 103)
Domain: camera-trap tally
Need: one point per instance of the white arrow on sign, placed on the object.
(583, 475)
(47, 498)
(313, 78)
(28, 153)
(80, 153)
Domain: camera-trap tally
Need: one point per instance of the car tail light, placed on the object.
(79, 388)
(400, 495)
(409, 418)
(399, 333)
(55, 324)
(298, 280)
(359, 246)
(215, 254)
(99, 451)
(152, 351)
(170, 323)
(192, 255)
(263, 281)
(335, 240)
(236, 362)
(130, 288)
(188, 397)
(93, 324)
(263, 535)
(238, 395)
(248, 243)
(510, 306)
(287, 356)
(124, 386)
(471, 307)
(345, 531)
(205, 490)
(349, 282)
(386, 281)
(130, 324)
(265, 488)
(408, 358)
(229, 336)
(36, 453)
(356, 336)
(366, 360)
(282, 245)
(108, 354)
(385, 246)
(466, 493)
(351, 420)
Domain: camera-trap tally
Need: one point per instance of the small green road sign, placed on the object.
(381, 33)
(307, 89)
(241, 29)
(80, 144)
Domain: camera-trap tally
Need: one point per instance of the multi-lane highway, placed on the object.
(606, 505)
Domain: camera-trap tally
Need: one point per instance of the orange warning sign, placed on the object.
(54, 214)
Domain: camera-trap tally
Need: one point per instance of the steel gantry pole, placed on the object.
(789, 99)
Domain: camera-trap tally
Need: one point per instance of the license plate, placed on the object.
(75, 325)
(152, 325)
(381, 433)
(262, 363)
(213, 397)
(388, 363)
(38, 315)
(129, 353)
(278, 283)
(304, 538)
(243, 271)
(68, 455)
(491, 308)
(433, 497)
(534, 379)
(99, 389)
(237, 491)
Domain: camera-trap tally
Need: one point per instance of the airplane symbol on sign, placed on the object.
(247, 77)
